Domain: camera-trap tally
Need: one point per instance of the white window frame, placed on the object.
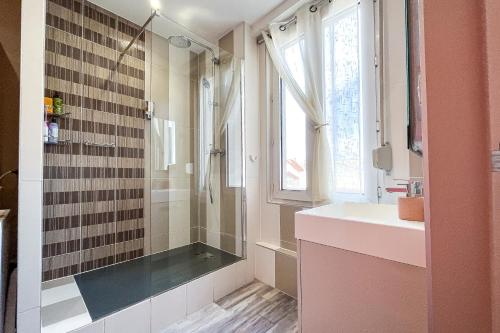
(278, 193)
(369, 82)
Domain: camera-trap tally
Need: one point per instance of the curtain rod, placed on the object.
(312, 8)
(292, 20)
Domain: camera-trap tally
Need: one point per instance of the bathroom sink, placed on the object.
(371, 229)
(364, 212)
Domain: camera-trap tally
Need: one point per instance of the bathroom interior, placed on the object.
(249, 166)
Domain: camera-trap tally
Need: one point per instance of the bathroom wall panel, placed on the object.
(458, 239)
(492, 10)
(93, 196)
(286, 273)
(287, 227)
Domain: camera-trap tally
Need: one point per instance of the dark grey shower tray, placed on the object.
(113, 288)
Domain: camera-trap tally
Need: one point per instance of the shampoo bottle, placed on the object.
(45, 132)
(53, 132)
(58, 104)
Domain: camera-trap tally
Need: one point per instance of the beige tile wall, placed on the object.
(287, 227)
(286, 273)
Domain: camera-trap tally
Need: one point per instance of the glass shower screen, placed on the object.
(196, 169)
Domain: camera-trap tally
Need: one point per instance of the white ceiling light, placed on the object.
(155, 4)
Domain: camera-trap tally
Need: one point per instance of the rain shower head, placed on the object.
(179, 41)
(184, 42)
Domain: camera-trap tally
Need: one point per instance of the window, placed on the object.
(350, 107)
(343, 101)
(292, 136)
(293, 127)
(164, 144)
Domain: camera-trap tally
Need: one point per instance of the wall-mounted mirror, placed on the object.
(399, 71)
(414, 78)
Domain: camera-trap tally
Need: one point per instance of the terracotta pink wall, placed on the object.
(456, 163)
(344, 291)
(493, 56)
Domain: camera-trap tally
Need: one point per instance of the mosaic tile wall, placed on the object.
(93, 194)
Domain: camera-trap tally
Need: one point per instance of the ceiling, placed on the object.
(210, 19)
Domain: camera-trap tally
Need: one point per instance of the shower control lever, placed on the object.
(150, 110)
(217, 152)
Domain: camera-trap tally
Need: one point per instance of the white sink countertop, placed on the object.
(371, 229)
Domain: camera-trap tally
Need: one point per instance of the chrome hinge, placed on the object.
(495, 160)
(379, 192)
(375, 61)
(150, 110)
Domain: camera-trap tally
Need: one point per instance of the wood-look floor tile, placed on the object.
(256, 308)
(243, 293)
(288, 324)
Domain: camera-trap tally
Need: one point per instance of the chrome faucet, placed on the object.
(413, 187)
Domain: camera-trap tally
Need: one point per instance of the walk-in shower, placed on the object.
(144, 190)
(184, 42)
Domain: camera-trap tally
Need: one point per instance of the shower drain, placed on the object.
(204, 255)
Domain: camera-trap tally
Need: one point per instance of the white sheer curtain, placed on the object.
(232, 95)
(309, 28)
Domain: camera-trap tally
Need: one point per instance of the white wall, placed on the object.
(269, 230)
(30, 165)
(245, 47)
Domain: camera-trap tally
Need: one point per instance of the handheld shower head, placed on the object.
(205, 83)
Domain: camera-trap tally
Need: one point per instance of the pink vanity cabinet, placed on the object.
(360, 272)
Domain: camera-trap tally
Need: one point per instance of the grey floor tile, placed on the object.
(256, 308)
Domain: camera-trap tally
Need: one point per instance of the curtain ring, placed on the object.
(318, 127)
(282, 27)
(313, 8)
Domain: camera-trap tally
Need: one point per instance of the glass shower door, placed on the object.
(196, 147)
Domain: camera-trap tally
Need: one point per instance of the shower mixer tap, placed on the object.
(215, 152)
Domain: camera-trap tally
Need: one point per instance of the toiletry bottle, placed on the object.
(58, 104)
(53, 132)
(48, 105)
(45, 132)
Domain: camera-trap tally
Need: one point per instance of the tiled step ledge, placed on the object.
(156, 313)
(277, 248)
